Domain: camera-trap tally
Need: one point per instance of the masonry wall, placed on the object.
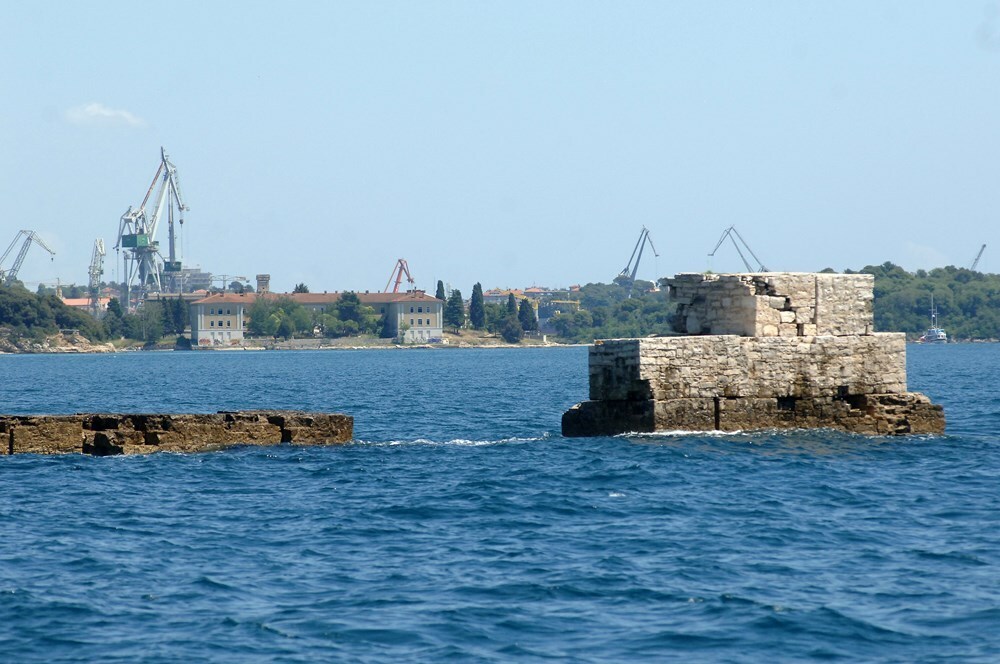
(103, 434)
(772, 350)
(731, 366)
(785, 304)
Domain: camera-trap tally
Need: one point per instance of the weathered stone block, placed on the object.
(609, 418)
(42, 435)
(798, 351)
(139, 433)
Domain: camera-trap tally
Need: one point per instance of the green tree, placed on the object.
(526, 316)
(286, 328)
(146, 324)
(300, 288)
(495, 314)
(113, 325)
(440, 291)
(511, 305)
(175, 315)
(350, 317)
(257, 315)
(510, 330)
(28, 314)
(267, 316)
(454, 310)
(477, 312)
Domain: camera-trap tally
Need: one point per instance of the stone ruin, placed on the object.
(761, 351)
(103, 434)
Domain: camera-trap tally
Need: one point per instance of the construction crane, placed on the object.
(627, 276)
(95, 272)
(975, 263)
(142, 261)
(227, 280)
(734, 235)
(398, 271)
(9, 276)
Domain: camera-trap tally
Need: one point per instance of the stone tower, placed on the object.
(759, 351)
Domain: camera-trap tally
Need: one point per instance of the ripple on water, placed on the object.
(460, 525)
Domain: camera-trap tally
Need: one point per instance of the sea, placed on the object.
(459, 525)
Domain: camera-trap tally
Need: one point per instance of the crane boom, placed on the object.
(30, 237)
(398, 271)
(733, 235)
(144, 264)
(975, 263)
(629, 271)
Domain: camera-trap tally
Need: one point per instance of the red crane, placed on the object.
(397, 275)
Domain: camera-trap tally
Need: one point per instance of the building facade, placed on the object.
(219, 320)
(410, 317)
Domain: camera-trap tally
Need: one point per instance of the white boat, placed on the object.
(934, 334)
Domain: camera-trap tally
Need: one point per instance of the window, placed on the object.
(211, 312)
(420, 321)
(420, 310)
(411, 310)
(381, 310)
(229, 311)
(229, 323)
(212, 323)
(411, 321)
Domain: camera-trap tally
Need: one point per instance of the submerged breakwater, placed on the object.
(106, 434)
(459, 524)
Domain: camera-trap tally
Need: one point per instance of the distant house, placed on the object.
(410, 317)
(84, 304)
(219, 320)
(500, 295)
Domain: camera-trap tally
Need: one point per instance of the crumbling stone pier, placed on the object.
(772, 350)
(103, 434)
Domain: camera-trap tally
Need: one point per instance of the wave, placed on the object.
(456, 442)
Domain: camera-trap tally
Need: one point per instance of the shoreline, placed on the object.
(300, 348)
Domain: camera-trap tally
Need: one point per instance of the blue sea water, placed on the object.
(460, 525)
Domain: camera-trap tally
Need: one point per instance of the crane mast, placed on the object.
(9, 276)
(95, 272)
(143, 263)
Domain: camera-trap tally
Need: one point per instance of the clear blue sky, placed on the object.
(510, 143)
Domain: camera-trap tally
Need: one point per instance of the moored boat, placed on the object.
(934, 334)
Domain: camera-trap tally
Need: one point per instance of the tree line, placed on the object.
(285, 318)
(36, 315)
(967, 302)
(511, 321)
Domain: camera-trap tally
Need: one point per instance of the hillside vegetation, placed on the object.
(968, 303)
(30, 315)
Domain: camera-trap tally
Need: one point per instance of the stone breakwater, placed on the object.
(775, 350)
(103, 434)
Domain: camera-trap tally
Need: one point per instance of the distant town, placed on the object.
(163, 303)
